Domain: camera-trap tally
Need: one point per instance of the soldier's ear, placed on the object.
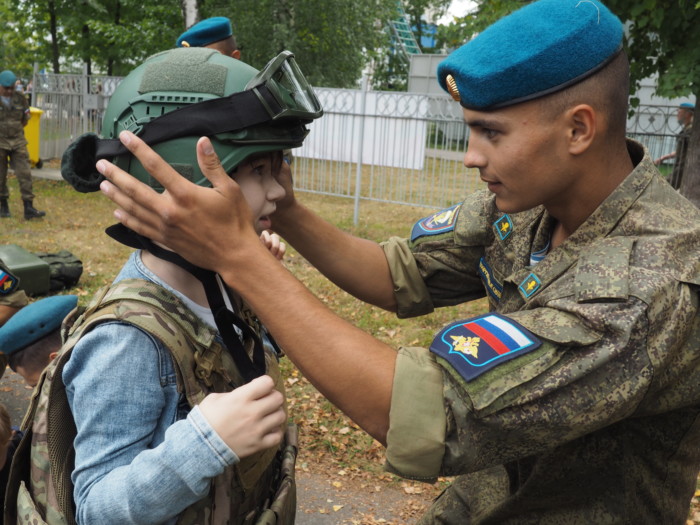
(582, 123)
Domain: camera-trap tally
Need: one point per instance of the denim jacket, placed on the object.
(140, 457)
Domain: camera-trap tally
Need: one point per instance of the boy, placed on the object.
(32, 337)
(142, 454)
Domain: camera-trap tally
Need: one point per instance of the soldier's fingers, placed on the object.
(122, 189)
(154, 164)
(210, 164)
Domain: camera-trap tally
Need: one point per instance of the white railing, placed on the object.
(404, 148)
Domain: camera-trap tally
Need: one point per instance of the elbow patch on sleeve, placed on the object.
(416, 438)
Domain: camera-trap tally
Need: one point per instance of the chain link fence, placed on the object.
(402, 148)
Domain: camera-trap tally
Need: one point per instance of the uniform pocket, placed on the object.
(27, 513)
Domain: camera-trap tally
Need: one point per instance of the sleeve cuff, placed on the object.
(209, 436)
(412, 296)
(416, 438)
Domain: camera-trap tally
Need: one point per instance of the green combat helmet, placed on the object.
(177, 96)
(170, 101)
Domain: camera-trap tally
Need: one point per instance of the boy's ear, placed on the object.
(582, 122)
(236, 54)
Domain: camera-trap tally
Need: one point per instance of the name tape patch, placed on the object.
(474, 346)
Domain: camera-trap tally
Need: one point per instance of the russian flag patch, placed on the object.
(440, 222)
(473, 346)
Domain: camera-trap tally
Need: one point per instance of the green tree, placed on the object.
(391, 67)
(109, 36)
(332, 40)
(661, 37)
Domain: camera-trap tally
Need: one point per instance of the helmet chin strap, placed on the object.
(220, 301)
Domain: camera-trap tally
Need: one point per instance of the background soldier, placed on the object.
(14, 115)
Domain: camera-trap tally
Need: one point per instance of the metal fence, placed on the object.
(403, 148)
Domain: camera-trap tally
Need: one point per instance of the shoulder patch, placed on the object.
(475, 345)
(8, 282)
(439, 222)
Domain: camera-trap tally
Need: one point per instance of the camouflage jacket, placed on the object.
(598, 424)
(259, 489)
(12, 121)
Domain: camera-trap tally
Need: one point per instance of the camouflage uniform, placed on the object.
(9, 296)
(681, 153)
(13, 144)
(599, 424)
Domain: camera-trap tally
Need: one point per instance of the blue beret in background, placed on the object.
(35, 321)
(206, 32)
(7, 78)
(687, 105)
(538, 49)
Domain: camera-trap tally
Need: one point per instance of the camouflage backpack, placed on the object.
(259, 490)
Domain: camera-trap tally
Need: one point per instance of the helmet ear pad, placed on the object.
(78, 164)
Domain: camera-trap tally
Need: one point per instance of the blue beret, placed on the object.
(687, 105)
(7, 78)
(205, 32)
(539, 49)
(35, 321)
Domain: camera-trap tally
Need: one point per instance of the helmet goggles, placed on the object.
(278, 93)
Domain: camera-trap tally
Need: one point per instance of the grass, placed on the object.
(76, 222)
(330, 442)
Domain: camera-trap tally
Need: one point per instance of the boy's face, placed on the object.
(260, 188)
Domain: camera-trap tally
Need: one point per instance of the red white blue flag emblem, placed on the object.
(476, 345)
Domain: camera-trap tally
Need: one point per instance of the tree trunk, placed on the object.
(54, 37)
(190, 12)
(690, 184)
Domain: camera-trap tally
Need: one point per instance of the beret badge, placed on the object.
(452, 87)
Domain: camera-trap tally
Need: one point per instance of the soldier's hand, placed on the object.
(248, 419)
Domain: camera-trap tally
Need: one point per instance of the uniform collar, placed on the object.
(598, 225)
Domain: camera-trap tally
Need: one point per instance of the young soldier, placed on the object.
(32, 338)
(576, 399)
(173, 421)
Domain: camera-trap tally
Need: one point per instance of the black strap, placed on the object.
(214, 288)
(210, 117)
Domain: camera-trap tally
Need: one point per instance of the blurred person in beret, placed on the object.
(14, 116)
(684, 113)
(215, 33)
(31, 339)
(575, 398)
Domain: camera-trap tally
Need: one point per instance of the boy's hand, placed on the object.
(274, 244)
(250, 418)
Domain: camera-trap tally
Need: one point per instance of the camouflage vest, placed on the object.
(260, 489)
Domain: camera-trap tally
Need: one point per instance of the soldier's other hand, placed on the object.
(250, 418)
